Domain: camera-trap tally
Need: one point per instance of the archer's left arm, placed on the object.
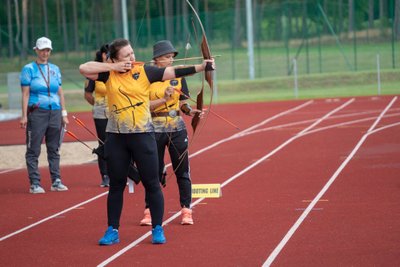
(172, 72)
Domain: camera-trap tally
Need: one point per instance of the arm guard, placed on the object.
(186, 109)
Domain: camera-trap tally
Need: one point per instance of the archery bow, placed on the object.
(205, 50)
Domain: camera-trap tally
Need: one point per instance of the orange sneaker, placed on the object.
(186, 216)
(146, 221)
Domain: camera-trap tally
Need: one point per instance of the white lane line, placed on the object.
(250, 128)
(384, 127)
(296, 136)
(347, 123)
(192, 155)
(302, 217)
(134, 243)
(248, 131)
(9, 170)
(52, 216)
(319, 129)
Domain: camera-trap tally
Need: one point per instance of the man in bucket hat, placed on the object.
(168, 103)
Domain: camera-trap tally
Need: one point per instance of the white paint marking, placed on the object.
(9, 170)
(197, 153)
(51, 217)
(302, 217)
(134, 243)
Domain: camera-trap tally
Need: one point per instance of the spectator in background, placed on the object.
(43, 115)
(100, 112)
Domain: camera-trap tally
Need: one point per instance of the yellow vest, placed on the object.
(167, 123)
(100, 108)
(128, 102)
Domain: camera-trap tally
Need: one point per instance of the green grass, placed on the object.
(310, 86)
(272, 81)
(271, 60)
(272, 89)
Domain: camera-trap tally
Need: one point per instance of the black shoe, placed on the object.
(105, 181)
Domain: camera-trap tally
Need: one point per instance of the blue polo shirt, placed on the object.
(43, 84)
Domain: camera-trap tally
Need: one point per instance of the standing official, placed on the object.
(43, 115)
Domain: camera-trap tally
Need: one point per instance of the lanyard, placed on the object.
(44, 78)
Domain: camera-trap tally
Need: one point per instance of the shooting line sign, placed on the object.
(206, 190)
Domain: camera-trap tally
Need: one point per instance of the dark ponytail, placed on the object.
(99, 53)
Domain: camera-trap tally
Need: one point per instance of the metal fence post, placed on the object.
(296, 89)
(378, 71)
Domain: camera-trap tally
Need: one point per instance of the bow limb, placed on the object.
(205, 49)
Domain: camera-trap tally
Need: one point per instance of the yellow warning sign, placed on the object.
(206, 190)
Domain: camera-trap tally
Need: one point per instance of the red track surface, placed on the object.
(12, 134)
(329, 197)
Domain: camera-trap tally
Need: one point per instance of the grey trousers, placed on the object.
(43, 124)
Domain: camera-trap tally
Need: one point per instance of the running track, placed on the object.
(305, 183)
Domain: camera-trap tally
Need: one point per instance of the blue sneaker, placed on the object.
(110, 237)
(158, 235)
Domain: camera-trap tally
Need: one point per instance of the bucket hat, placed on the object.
(163, 47)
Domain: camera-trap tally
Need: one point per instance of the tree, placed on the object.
(10, 30)
(133, 25)
(168, 13)
(64, 28)
(75, 20)
(351, 16)
(24, 54)
(59, 19)
(340, 8)
(17, 20)
(148, 22)
(371, 13)
(185, 20)
(382, 9)
(117, 17)
(397, 19)
(237, 32)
